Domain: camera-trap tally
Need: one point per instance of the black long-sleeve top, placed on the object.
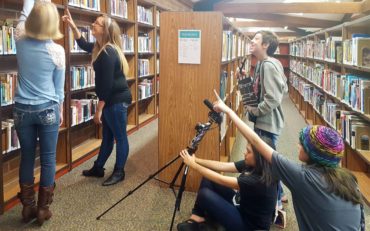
(110, 81)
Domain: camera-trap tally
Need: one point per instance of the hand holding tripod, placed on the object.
(201, 130)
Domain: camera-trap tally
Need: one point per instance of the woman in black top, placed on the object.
(216, 196)
(111, 69)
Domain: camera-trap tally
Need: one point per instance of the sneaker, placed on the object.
(280, 220)
(190, 225)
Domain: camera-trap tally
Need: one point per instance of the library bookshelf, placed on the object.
(328, 84)
(185, 86)
(79, 138)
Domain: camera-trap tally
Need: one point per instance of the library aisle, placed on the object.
(78, 200)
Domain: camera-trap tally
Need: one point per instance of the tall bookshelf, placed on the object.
(185, 86)
(80, 140)
(327, 87)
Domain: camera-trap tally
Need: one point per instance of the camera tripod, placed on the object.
(201, 130)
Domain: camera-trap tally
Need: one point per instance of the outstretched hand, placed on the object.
(188, 159)
(68, 19)
(219, 105)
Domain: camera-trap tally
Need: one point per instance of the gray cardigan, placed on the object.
(269, 113)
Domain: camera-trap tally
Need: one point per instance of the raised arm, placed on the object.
(227, 181)
(27, 7)
(86, 46)
(264, 149)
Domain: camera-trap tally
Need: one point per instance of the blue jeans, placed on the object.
(42, 121)
(216, 201)
(114, 121)
(273, 137)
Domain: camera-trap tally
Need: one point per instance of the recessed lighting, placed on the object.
(285, 27)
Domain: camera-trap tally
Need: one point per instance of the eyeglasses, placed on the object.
(98, 24)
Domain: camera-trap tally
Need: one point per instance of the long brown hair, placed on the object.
(342, 183)
(111, 37)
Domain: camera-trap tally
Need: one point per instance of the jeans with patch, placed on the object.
(37, 124)
(114, 121)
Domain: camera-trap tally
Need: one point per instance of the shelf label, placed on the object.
(189, 46)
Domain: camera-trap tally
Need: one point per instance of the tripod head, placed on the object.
(213, 117)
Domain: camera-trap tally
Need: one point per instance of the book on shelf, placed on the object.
(145, 89)
(223, 84)
(157, 17)
(119, 8)
(9, 135)
(8, 83)
(143, 67)
(86, 33)
(127, 43)
(361, 52)
(144, 43)
(82, 77)
(227, 42)
(7, 38)
(144, 15)
(86, 4)
(82, 110)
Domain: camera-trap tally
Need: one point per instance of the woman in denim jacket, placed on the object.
(38, 110)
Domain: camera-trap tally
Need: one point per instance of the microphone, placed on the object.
(217, 117)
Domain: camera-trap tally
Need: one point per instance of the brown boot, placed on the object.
(27, 197)
(45, 199)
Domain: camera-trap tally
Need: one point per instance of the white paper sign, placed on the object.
(189, 46)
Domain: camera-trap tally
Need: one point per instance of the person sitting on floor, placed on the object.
(325, 196)
(257, 190)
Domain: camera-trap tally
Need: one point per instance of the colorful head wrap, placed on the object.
(323, 145)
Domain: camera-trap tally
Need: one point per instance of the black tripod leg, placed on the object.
(175, 178)
(132, 191)
(179, 195)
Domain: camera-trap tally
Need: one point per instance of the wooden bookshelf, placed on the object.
(78, 143)
(357, 161)
(185, 86)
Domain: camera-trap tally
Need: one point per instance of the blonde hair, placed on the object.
(43, 22)
(111, 37)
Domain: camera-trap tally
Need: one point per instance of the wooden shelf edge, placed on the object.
(84, 149)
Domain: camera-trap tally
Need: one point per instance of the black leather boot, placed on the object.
(117, 176)
(94, 172)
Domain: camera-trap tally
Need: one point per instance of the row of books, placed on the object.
(143, 67)
(145, 89)
(353, 128)
(353, 90)
(144, 43)
(7, 39)
(119, 8)
(87, 4)
(144, 15)
(8, 84)
(9, 136)
(127, 43)
(354, 51)
(86, 33)
(82, 77)
(228, 45)
(83, 110)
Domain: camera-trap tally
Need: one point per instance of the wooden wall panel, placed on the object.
(185, 86)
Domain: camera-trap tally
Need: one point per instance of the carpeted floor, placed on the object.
(79, 200)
